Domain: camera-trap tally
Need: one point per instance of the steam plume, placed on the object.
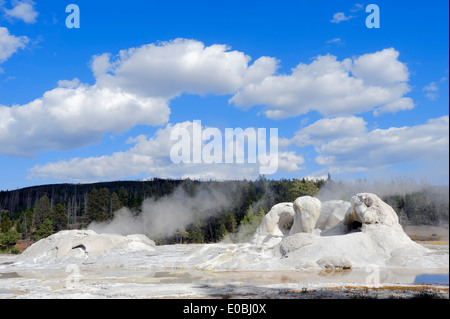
(163, 217)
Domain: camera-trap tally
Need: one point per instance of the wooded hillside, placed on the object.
(36, 212)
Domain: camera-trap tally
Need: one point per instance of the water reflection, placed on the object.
(434, 279)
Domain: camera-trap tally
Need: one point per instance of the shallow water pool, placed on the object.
(433, 279)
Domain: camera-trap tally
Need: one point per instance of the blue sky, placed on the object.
(98, 103)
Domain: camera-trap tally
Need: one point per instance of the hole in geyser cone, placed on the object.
(355, 226)
(285, 223)
(80, 246)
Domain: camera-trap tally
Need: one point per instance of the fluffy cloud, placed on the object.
(431, 91)
(328, 129)
(290, 162)
(345, 145)
(72, 116)
(23, 10)
(168, 69)
(9, 44)
(333, 87)
(150, 157)
(339, 17)
(335, 40)
(381, 68)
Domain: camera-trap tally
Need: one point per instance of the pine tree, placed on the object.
(5, 224)
(98, 205)
(104, 203)
(59, 218)
(261, 214)
(303, 187)
(230, 223)
(45, 230)
(124, 197)
(115, 204)
(221, 230)
(41, 210)
(24, 223)
(181, 235)
(249, 216)
(93, 210)
(8, 240)
(196, 234)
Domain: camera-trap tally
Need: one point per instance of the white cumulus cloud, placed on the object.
(329, 129)
(339, 17)
(431, 90)
(346, 145)
(374, 81)
(75, 116)
(9, 44)
(23, 10)
(150, 157)
(168, 69)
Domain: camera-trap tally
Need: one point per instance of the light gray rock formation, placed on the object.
(334, 263)
(369, 234)
(367, 208)
(82, 245)
(307, 212)
(275, 223)
(295, 242)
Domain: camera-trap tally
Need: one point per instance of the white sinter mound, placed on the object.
(307, 212)
(368, 233)
(82, 246)
(274, 224)
(329, 235)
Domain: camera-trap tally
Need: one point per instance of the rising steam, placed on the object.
(344, 190)
(163, 217)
